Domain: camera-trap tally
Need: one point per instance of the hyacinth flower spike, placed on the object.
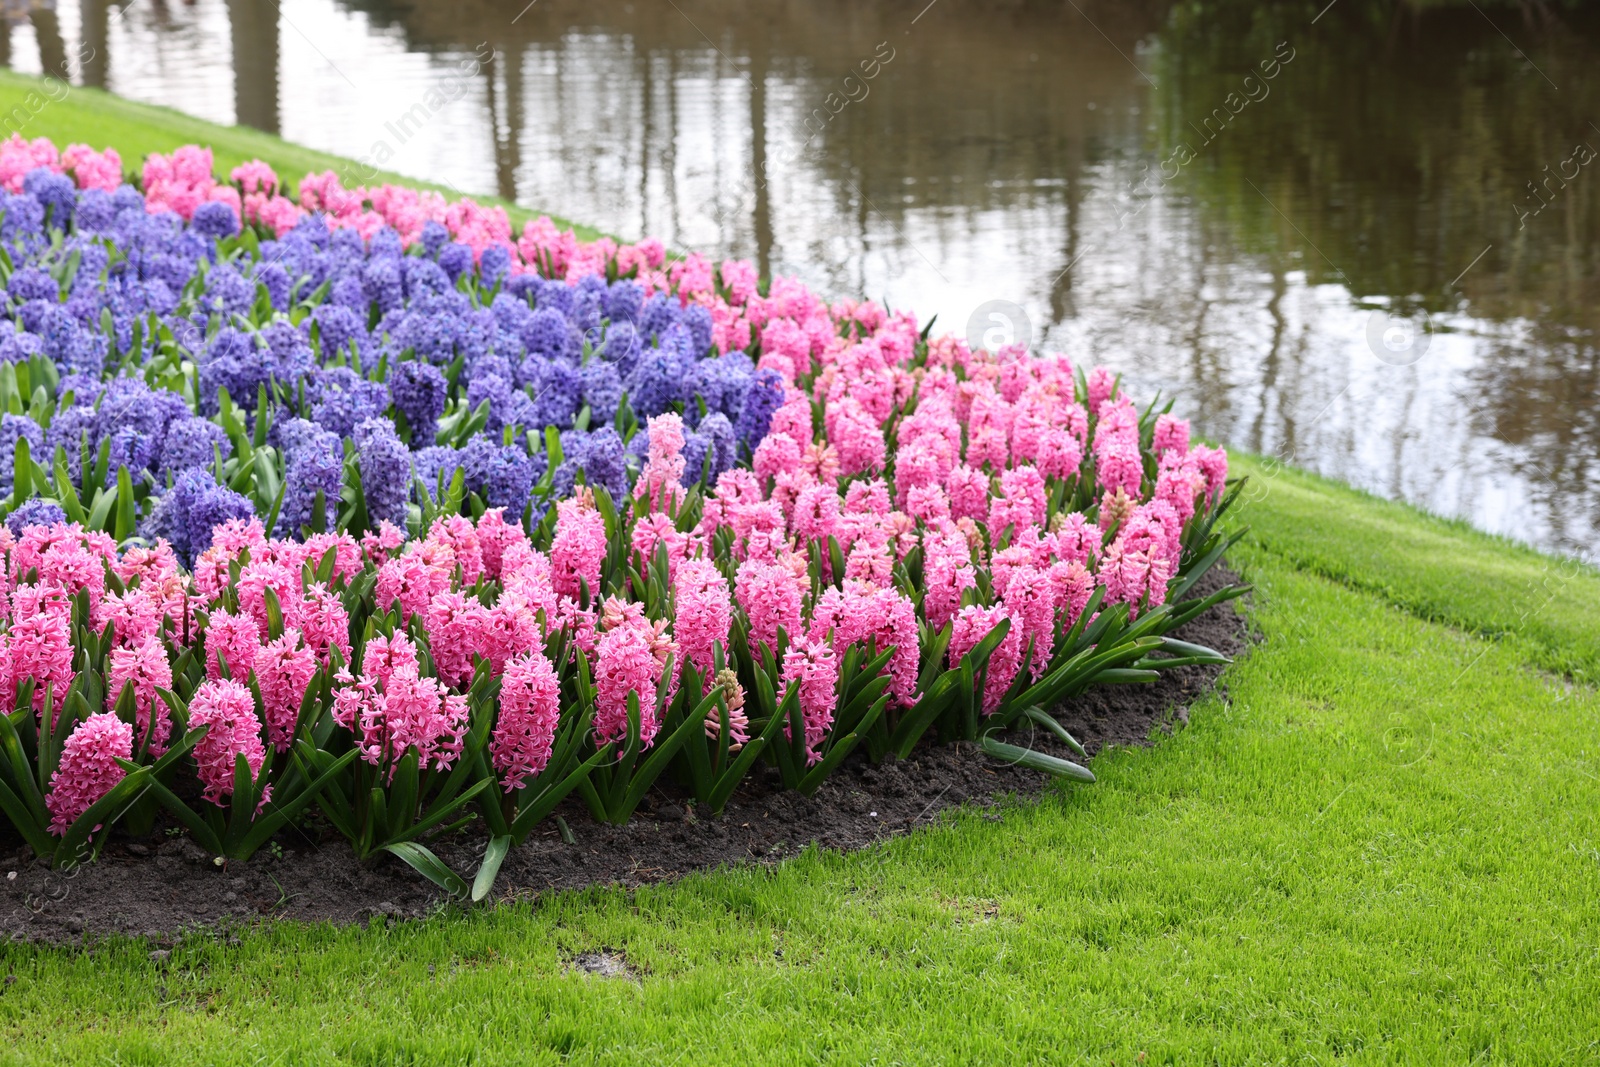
(533, 784)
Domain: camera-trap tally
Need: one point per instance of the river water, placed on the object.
(1364, 241)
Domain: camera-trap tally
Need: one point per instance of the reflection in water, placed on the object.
(94, 24)
(52, 49)
(1104, 166)
(255, 62)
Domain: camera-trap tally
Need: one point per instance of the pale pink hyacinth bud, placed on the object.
(1115, 509)
(738, 721)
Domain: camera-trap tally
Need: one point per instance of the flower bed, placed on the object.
(360, 508)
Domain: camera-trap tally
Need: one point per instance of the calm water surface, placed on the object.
(1366, 244)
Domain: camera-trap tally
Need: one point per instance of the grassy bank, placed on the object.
(1377, 844)
(67, 114)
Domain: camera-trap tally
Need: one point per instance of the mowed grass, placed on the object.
(34, 107)
(1378, 844)
(1438, 569)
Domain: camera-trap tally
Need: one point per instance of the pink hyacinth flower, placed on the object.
(147, 669)
(578, 549)
(41, 644)
(812, 667)
(530, 708)
(232, 639)
(704, 613)
(88, 768)
(972, 624)
(625, 664)
(283, 672)
(228, 710)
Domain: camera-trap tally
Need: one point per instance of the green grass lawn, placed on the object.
(1377, 844)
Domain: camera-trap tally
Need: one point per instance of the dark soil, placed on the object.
(160, 886)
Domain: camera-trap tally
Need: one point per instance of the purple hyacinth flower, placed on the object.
(215, 219)
(418, 391)
(35, 512)
(386, 471)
